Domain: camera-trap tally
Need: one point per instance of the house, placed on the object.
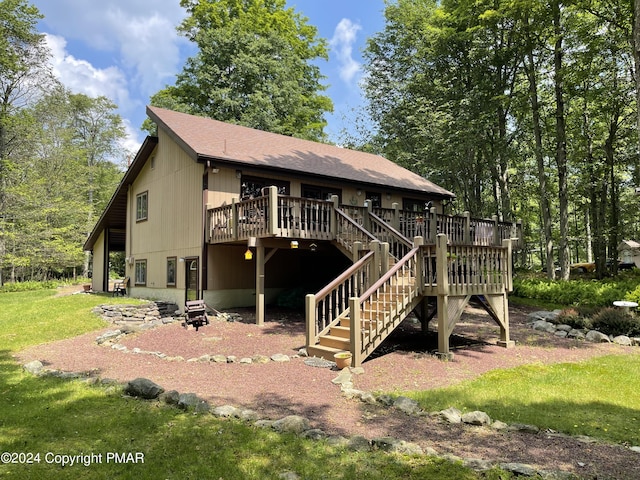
(629, 254)
(240, 217)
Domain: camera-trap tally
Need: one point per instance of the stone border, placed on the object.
(294, 424)
(546, 321)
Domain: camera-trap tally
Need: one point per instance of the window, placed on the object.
(142, 206)
(171, 271)
(320, 193)
(375, 198)
(251, 187)
(141, 272)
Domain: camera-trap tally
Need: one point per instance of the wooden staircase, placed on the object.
(379, 310)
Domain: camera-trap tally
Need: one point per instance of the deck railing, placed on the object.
(274, 215)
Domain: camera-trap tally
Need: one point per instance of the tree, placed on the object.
(254, 67)
(69, 171)
(24, 73)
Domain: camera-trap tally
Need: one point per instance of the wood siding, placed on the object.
(174, 221)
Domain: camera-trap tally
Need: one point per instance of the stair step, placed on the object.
(335, 342)
(323, 352)
(340, 331)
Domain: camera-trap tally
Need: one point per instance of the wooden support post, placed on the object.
(357, 246)
(310, 315)
(496, 232)
(260, 261)
(234, 218)
(418, 242)
(272, 214)
(466, 239)
(374, 246)
(334, 216)
(433, 226)
(355, 335)
(368, 207)
(442, 279)
(395, 221)
(384, 258)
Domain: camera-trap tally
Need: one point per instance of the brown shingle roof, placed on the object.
(204, 138)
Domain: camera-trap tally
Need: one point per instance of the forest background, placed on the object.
(526, 109)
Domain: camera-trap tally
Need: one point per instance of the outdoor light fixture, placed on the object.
(238, 173)
(359, 192)
(313, 247)
(248, 255)
(294, 244)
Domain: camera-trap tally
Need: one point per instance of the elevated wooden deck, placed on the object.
(401, 259)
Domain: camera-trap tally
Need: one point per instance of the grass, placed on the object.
(597, 397)
(56, 420)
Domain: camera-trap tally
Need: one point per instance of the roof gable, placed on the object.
(203, 138)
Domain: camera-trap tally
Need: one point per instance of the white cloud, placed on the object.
(81, 76)
(344, 37)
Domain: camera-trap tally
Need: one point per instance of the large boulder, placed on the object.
(143, 388)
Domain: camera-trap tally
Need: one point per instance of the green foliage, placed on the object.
(615, 321)
(595, 398)
(580, 292)
(573, 317)
(255, 67)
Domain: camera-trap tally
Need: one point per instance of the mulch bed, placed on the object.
(404, 362)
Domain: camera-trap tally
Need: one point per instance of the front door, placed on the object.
(191, 279)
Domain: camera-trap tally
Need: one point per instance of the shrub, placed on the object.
(574, 318)
(614, 321)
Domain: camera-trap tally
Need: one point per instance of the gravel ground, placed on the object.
(403, 362)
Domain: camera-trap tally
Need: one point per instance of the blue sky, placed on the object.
(127, 50)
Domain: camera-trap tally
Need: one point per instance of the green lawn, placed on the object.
(598, 397)
(52, 421)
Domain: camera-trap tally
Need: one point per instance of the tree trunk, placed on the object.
(545, 211)
(561, 142)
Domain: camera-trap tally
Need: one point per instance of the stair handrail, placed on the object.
(362, 235)
(365, 340)
(399, 245)
(323, 309)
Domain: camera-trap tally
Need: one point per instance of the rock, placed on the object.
(407, 405)
(34, 368)
(477, 464)
(564, 327)
(623, 340)
(289, 476)
(476, 418)
(519, 469)
(172, 397)
(246, 360)
(232, 359)
(226, 411)
(343, 377)
(561, 333)
(260, 359)
(264, 423)
(499, 425)
(451, 415)
(386, 400)
(219, 359)
(357, 370)
(408, 448)
(188, 401)
(108, 335)
(314, 434)
(597, 337)
(544, 326)
(303, 352)
(143, 388)
(543, 316)
(280, 358)
(635, 449)
(207, 358)
(358, 444)
(523, 427)
(578, 334)
(248, 415)
(291, 424)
